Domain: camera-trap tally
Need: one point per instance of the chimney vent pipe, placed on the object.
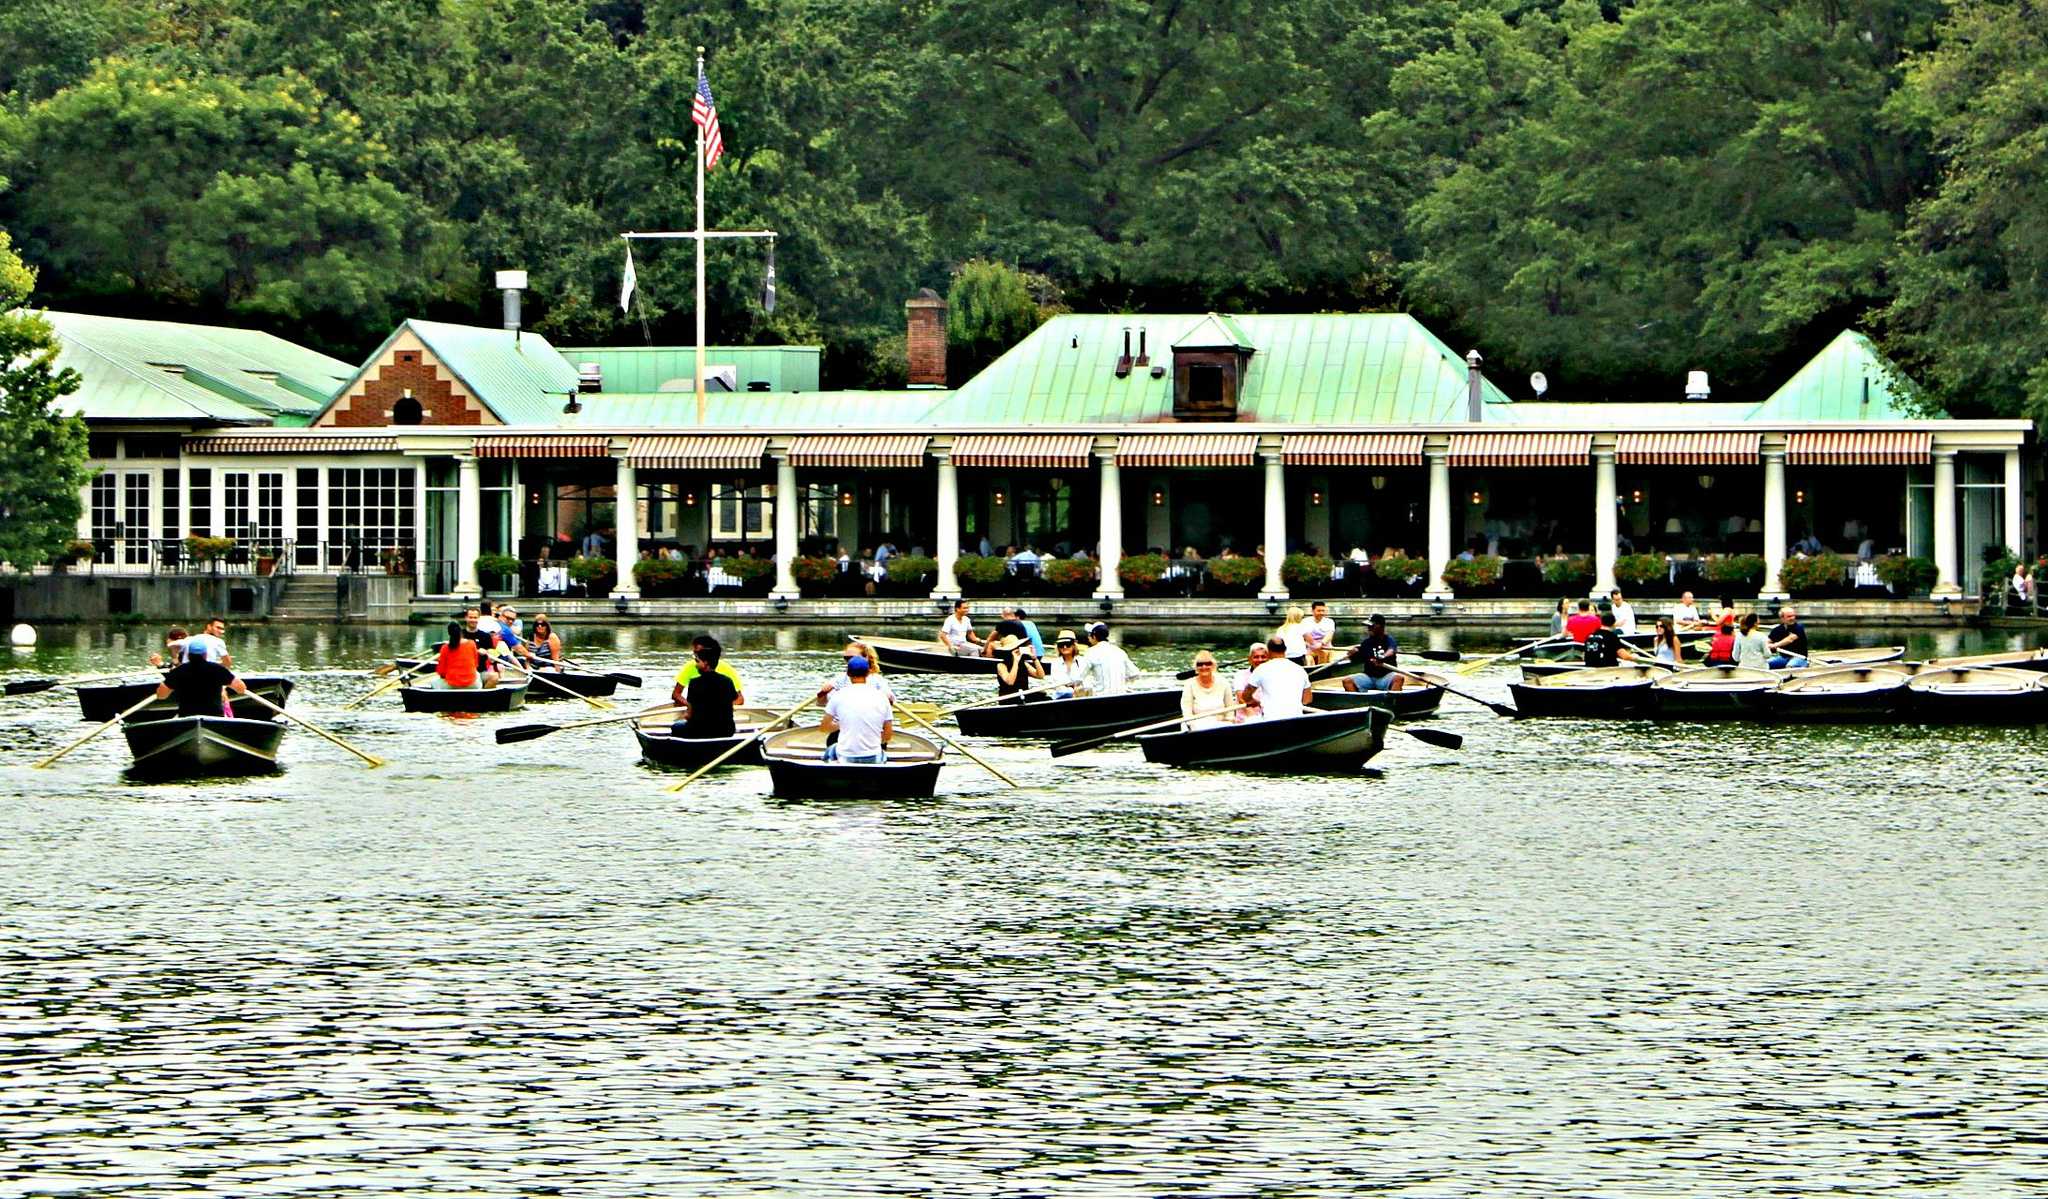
(1474, 409)
(512, 283)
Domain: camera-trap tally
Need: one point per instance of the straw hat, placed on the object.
(1005, 644)
(1064, 635)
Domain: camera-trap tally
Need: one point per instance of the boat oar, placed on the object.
(1436, 737)
(131, 710)
(942, 713)
(370, 760)
(625, 680)
(1084, 744)
(718, 761)
(381, 688)
(535, 676)
(32, 686)
(534, 732)
(1498, 709)
(1518, 651)
(950, 743)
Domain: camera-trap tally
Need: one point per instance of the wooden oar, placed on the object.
(1083, 744)
(625, 680)
(370, 760)
(942, 713)
(1498, 709)
(1428, 655)
(718, 761)
(137, 706)
(964, 751)
(383, 670)
(571, 692)
(32, 686)
(381, 688)
(534, 732)
(1518, 651)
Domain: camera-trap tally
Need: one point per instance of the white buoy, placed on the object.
(23, 635)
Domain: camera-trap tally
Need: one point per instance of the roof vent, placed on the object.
(1159, 372)
(1144, 359)
(590, 376)
(721, 378)
(1696, 387)
(757, 385)
(1123, 362)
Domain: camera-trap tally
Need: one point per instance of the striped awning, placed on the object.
(1352, 449)
(1520, 449)
(1188, 449)
(1861, 447)
(1054, 450)
(559, 446)
(1686, 449)
(859, 449)
(288, 444)
(697, 453)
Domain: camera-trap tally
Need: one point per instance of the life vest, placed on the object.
(1721, 650)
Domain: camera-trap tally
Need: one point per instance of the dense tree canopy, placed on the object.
(1611, 192)
(39, 503)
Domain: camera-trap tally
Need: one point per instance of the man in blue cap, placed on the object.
(860, 714)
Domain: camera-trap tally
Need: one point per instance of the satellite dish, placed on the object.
(1538, 383)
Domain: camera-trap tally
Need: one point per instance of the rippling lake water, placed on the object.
(1571, 958)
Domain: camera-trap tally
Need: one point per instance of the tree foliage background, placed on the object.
(1610, 192)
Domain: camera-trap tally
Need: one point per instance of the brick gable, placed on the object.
(407, 366)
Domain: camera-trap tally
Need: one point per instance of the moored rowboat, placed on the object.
(105, 703)
(1596, 691)
(1415, 699)
(192, 746)
(1842, 693)
(1711, 693)
(797, 768)
(2019, 659)
(504, 697)
(1312, 743)
(1978, 695)
(1062, 719)
(1861, 656)
(900, 655)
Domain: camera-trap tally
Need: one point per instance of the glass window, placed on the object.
(586, 518)
(151, 445)
(135, 515)
(369, 511)
(102, 445)
(234, 488)
(105, 493)
(307, 552)
(742, 512)
(820, 514)
(201, 522)
(171, 502)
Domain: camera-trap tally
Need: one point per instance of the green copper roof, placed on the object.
(1214, 333)
(1361, 368)
(851, 410)
(642, 370)
(1849, 380)
(519, 377)
(135, 370)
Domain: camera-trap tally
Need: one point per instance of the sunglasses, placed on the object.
(1205, 666)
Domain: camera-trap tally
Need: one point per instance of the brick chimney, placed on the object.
(927, 341)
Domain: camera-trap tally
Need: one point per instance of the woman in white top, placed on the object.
(1669, 651)
(1205, 696)
(1752, 648)
(1063, 670)
(1295, 635)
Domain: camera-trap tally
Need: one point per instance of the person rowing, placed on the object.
(1376, 656)
(709, 698)
(694, 667)
(1604, 646)
(861, 716)
(197, 684)
(1106, 669)
(1279, 687)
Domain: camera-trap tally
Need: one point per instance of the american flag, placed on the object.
(704, 111)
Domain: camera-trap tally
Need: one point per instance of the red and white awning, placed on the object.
(1055, 451)
(1520, 449)
(557, 446)
(871, 450)
(1687, 449)
(289, 443)
(1188, 449)
(704, 452)
(1352, 449)
(1859, 448)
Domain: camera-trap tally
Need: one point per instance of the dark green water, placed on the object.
(1631, 959)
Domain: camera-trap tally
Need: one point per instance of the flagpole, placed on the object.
(700, 251)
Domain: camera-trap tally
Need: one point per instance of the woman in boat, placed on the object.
(1669, 651)
(545, 648)
(1063, 672)
(1294, 635)
(857, 648)
(1557, 620)
(456, 668)
(1016, 667)
(1752, 648)
(1721, 650)
(1206, 695)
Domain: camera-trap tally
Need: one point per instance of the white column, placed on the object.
(948, 531)
(626, 550)
(1439, 523)
(1774, 524)
(1946, 585)
(1276, 524)
(1110, 541)
(788, 504)
(469, 530)
(418, 565)
(174, 522)
(2015, 508)
(1606, 511)
(517, 500)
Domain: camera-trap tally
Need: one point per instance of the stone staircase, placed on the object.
(307, 597)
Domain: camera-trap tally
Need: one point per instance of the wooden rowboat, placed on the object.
(1978, 695)
(1611, 692)
(1064, 719)
(1414, 700)
(1840, 694)
(659, 748)
(196, 746)
(1312, 743)
(596, 686)
(104, 703)
(1712, 693)
(2018, 659)
(1864, 656)
(797, 768)
(505, 697)
(900, 655)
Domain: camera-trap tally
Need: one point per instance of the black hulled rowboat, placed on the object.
(1311, 743)
(595, 686)
(2018, 659)
(104, 703)
(197, 746)
(1863, 656)
(1417, 698)
(1840, 694)
(1711, 693)
(901, 655)
(689, 753)
(797, 769)
(505, 697)
(1978, 695)
(1609, 692)
(1064, 719)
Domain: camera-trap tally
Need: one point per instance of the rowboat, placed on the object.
(596, 686)
(192, 746)
(1864, 656)
(901, 655)
(105, 703)
(504, 697)
(1596, 691)
(1312, 743)
(2019, 659)
(1978, 695)
(1544, 669)
(1840, 693)
(1415, 699)
(797, 768)
(1712, 693)
(692, 753)
(1061, 719)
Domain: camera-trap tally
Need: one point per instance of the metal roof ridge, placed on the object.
(152, 378)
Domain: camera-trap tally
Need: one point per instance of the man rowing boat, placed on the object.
(691, 669)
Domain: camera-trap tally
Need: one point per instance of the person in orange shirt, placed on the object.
(456, 667)
(1583, 623)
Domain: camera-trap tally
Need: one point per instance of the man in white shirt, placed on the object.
(957, 633)
(1320, 634)
(1686, 616)
(211, 645)
(1624, 613)
(861, 716)
(1105, 669)
(1278, 687)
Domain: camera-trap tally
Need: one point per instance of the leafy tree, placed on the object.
(45, 449)
(989, 308)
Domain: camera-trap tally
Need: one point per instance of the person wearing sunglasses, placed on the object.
(1205, 696)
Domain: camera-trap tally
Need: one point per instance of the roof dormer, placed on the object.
(1209, 363)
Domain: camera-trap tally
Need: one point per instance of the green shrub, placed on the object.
(499, 566)
(815, 570)
(1473, 574)
(653, 572)
(1733, 568)
(746, 568)
(908, 570)
(1306, 572)
(1636, 570)
(1068, 574)
(1141, 572)
(1907, 576)
(206, 549)
(1804, 576)
(1396, 569)
(598, 575)
(977, 570)
(1236, 575)
(1575, 571)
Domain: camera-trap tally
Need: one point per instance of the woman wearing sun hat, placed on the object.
(1063, 670)
(1017, 668)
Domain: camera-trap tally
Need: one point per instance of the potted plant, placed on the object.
(980, 575)
(597, 575)
(1236, 576)
(72, 553)
(1574, 574)
(1811, 576)
(496, 572)
(1468, 576)
(1906, 576)
(266, 562)
(1635, 571)
(1402, 575)
(393, 561)
(209, 549)
(1733, 571)
(755, 575)
(908, 575)
(660, 576)
(1068, 576)
(1306, 574)
(1142, 574)
(814, 575)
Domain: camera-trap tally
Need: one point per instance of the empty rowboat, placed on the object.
(1978, 695)
(1061, 719)
(505, 697)
(1600, 692)
(797, 768)
(1843, 694)
(199, 746)
(1712, 693)
(901, 655)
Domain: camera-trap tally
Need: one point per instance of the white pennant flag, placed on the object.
(626, 284)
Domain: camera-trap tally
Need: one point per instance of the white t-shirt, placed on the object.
(1295, 638)
(488, 624)
(1321, 633)
(1277, 686)
(1624, 619)
(955, 630)
(861, 712)
(201, 647)
(875, 681)
(1106, 670)
(1685, 614)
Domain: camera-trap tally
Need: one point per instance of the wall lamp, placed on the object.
(1478, 497)
(1379, 482)
(1315, 499)
(999, 498)
(846, 499)
(1159, 497)
(1799, 496)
